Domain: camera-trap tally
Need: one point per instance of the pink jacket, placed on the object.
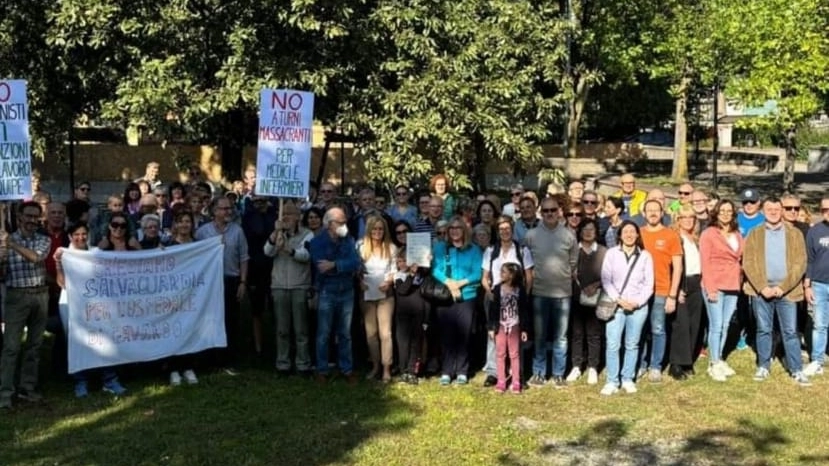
(720, 264)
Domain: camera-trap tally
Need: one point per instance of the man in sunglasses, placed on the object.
(589, 203)
(750, 216)
(685, 191)
(513, 208)
(791, 210)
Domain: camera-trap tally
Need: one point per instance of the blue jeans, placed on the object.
(631, 324)
(719, 318)
(659, 340)
(547, 312)
(821, 321)
(764, 311)
(335, 308)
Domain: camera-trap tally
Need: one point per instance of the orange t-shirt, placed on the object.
(663, 245)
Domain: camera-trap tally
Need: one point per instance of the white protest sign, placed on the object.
(124, 307)
(418, 249)
(15, 147)
(283, 156)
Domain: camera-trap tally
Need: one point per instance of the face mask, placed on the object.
(342, 231)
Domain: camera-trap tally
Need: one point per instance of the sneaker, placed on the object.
(574, 375)
(536, 381)
(801, 379)
(412, 379)
(230, 371)
(29, 395)
(559, 382)
(114, 387)
(727, 370)
(592, 376)
(445, 380)
(629, 386)
(500, 387)
(461, 380)
(655, 375)
(716, 372)
(190, 377)
(609, 389)
(741, 345)
(812, 369)
(175, 378)
(761, 374)
(641, 373)
(516, 388)
(490, 381)
(80, 390)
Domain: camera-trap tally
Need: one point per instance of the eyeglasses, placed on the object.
(589, 202)
(402, 193)
(726, 212)
(791, 208)
(121, 225)
(401, 232)
(700, 201)
(824, 210)
(574, 214)
(516, 194)
(685, 193)
(455, 227)
(548, 211)
(441, 232)
(686, 217)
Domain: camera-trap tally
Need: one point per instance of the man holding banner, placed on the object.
(22, 258)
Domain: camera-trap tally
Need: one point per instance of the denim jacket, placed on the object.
(343, 253)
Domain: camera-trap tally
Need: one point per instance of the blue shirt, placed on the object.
(775, 245)
(817, 253)
(343, 253)
(746, 224)
(458, 264)
(409, 216)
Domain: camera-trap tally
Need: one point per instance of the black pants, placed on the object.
(409, 334)
(586, 333)
(455, 331)
(230, 356)
(685, 323)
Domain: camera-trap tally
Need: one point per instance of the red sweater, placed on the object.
(720, 264)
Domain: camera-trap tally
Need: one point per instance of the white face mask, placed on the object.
(342, 231)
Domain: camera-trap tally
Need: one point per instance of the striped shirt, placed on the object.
(426, 226)
(20, 273)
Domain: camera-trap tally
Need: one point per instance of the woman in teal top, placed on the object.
(439, 185)
(457, 264)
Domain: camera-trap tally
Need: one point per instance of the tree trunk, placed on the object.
(679, 171)
(478, 172)
(574, 115)
(791, 154)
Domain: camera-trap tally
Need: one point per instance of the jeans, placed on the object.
(548, 312)
(764, 311)
(653, 352)
(821, 321)
(336, 306)
(490, 365)
(631, 324)
(719, 319)
(291, 312)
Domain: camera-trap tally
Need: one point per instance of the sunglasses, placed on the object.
(121, 225)
(590, 202)
(684, 193)
(750, 202)
(548, 211)
(575, 214)
(516, 194)
(326, 191)
(791, 208)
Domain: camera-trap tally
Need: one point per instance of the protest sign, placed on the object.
(123, 307)
(418, 249)
(283, 156)
(15, 147)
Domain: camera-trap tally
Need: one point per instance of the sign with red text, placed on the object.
(123, 307)
(15, 144)
(283, 156)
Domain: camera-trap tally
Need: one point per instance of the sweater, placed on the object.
(817, 253)
(754, 263)
(555, 252)
(291, 272)
(720, 264)
(462, 264)
(615, 268)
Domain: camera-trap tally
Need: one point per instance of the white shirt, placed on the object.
(693, 264)
(505, 257)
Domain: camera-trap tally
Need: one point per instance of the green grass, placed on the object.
(259, 419)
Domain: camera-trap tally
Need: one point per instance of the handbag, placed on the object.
(606, 308)
(434, 290)
(589, 301)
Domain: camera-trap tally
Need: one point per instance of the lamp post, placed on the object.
(716, 143)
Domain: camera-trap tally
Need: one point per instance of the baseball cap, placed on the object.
(750, 195)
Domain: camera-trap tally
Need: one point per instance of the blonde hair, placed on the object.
(467, 235)
(367, 246)
(685, 210)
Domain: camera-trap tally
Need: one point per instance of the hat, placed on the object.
(750, 195)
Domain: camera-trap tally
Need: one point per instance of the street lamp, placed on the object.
(716, 144)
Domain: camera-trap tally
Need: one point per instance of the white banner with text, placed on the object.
(124, 307)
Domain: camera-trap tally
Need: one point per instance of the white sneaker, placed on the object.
(813, 368)
(592, 376)
(629, 387)
(190, 377)
(574, 375)
(175, 378)
(717, 372)
(609, 389)
(727, 370)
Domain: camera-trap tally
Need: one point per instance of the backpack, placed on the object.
(496, 251)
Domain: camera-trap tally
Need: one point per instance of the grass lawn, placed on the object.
(258, 418)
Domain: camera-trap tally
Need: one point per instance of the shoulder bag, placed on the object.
(605, 307)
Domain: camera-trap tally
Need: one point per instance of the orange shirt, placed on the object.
(663, 245)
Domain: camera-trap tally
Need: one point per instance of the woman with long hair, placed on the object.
(379, 264)
(176, 194)
(118, 236)
(627, 279)
(399, 229)
(132, 201)
(721, 252)
(456, 263)
(686, 321)
(573, 214)
(440, 186)
(614, 207)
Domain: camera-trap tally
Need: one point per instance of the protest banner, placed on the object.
(283, 156)
(15, 146)
(123, 307)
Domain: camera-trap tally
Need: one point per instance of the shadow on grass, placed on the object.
(607, 443)
(251, 419)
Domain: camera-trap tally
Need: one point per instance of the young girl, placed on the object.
(506, 315)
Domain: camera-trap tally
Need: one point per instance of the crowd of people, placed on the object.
(562, 285)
